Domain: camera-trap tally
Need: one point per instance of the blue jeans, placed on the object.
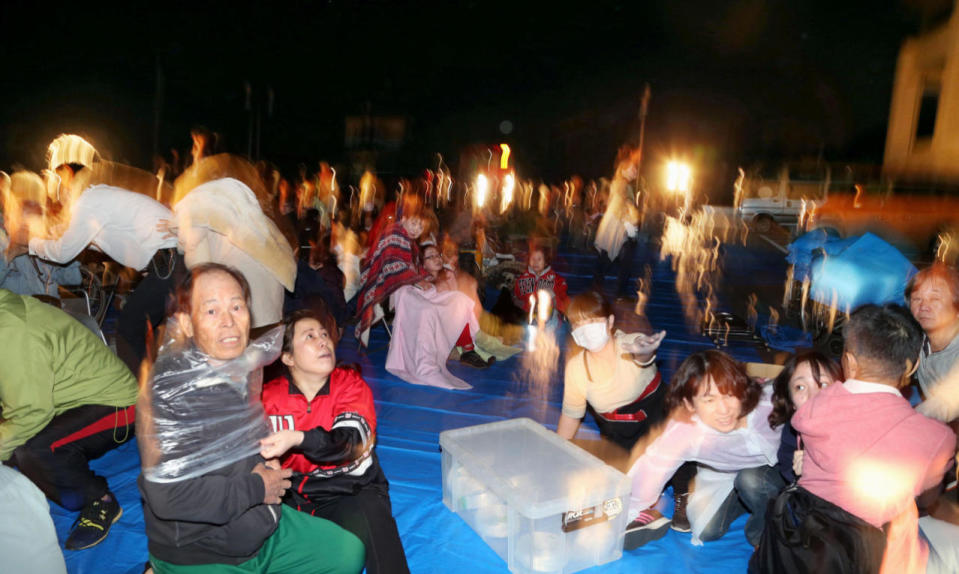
(753, 489)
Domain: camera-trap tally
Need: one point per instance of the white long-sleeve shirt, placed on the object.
(120, 223)
(720, 456)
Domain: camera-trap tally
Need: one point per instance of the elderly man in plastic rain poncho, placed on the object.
(208, 497)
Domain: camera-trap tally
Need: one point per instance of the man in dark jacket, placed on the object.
(209, 499)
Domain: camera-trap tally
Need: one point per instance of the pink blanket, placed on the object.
(425, 328)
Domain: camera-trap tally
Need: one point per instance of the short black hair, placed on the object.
(184, 292)
(819, 364)
(319, 314)
(885, 337)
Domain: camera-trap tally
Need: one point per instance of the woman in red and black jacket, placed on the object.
(324, 424)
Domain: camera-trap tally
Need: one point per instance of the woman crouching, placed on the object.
(718, 419)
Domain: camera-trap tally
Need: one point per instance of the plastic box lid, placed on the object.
(533, 469)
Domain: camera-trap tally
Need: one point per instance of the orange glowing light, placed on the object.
(504, 158)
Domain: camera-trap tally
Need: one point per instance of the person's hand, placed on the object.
(164, 227)
(275, 480)
(797, 462)
(15, 250)
(644, 344)
(279, 442)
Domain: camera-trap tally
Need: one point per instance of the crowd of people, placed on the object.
(238, 270)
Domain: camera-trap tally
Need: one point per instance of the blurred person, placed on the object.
(539, 275)
(347, 249)
(444, 280)
(614, 375)
(324, 429)
(617, 233)
(211, 503)
(718, 418)
(130, 228)
(868, 455)
(204, 143)
(20, 203)
(67, 399)
(391, 263)
(28, 540)
(803, 376)
(933, 296)
(206, 221)
(318, 282)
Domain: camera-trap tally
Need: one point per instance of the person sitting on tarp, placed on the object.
(210, 501)
(868, 455)
(803, 376)
(537, 277)
(444, 280)
(324, 422)
(390, 264)
(933, 296)
(67, 399)
(718, 418)
(428, 322)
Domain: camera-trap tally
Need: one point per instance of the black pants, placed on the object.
(57, 458)
(624, 264)
(626, 433)
(369, 515)
(147, 304)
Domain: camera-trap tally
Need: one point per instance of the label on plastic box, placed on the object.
(576, 519)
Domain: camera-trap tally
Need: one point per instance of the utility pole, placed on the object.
(643, 110)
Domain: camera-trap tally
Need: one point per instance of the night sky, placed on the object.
(732, 82)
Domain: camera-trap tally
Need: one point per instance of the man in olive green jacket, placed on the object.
(66, 399)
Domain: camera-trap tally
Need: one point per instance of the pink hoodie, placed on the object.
(872, 454)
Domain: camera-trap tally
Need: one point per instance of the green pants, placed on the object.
(301, 544)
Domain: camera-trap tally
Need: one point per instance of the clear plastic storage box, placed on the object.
(542, 503)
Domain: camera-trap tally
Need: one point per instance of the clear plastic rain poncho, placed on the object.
(197, 415)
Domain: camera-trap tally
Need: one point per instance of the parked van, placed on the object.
(783, 196)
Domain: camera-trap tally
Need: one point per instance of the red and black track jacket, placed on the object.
(339, 426)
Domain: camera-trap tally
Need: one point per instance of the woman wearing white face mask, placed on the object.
(615, 375)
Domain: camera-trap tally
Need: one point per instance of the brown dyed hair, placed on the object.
(588, 306)
(411, 205)
(319, 314)
(184, 292)
(819, 364)
(729, 375)
(540, 246)
(938, 270)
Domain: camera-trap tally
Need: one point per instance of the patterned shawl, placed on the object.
(393, 263)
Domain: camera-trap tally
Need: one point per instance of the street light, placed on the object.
(679, 177)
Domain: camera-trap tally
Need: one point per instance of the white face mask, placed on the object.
(591, 337)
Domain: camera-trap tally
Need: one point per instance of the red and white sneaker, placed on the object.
(649, 525)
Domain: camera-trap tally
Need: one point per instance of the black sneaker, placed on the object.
(680, 520)
(473, 359)
(93, 524)
(649, 525)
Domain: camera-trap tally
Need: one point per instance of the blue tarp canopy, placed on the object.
(860, 270)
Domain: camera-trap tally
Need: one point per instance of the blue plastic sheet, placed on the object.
(865, 270)
(410, 419)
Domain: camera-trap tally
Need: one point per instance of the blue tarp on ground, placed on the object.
(410, 419)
